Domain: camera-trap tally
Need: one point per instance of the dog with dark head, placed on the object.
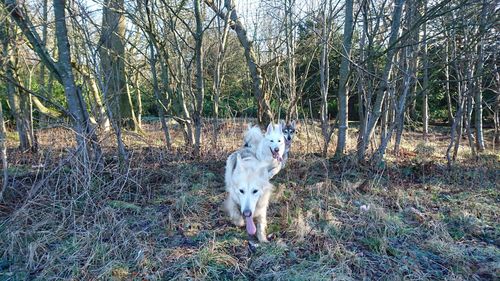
(289, 130)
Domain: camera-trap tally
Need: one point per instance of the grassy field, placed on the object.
(160, 218)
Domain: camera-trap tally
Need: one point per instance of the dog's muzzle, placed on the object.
(276, 154)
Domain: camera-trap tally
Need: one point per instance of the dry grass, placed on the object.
(329, 219)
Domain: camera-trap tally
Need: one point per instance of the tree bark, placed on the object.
(85, 136)
(218, 73)
(3, 154)
(374, 115)
(425, 85)
(200, 83)
(112, 52)
(478, 97)
(291, 113)
(19, 103)
(261, 95)
(343, 95)
(324, 66)
(447, 77)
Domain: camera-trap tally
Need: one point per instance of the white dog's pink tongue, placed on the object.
(250, 225)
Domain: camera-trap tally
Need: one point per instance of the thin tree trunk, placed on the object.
(478, 98)
(400, 109)
(99, 110)
(156, 90)
(425, 85)
(181, 98)
(411, 63)
(261, 95)
(456, 129)
(18, 102)
(343, 95)
(102, 117)
(362, 83)
(447, 77)
(384, 116)
(218, 73)
(3, 154)
(291, 112)
(459, 122)
(112, 52)
(139, 99)
(496, 112)
(324, 66)
(200, 83)
(496, 121)
(76, 103)
(165, 97)
(374, 115)
(468, 116)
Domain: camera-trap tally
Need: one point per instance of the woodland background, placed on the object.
(115, 112)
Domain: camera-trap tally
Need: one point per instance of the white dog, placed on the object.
(249, 190)
(271, 148)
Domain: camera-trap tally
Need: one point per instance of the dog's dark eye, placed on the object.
(242, 191)
(254, 191)
(279, 141)
(272, 140)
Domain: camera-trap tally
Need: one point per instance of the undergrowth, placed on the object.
(329, 219)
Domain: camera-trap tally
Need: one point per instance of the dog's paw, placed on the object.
(238, 221)
(262, 238)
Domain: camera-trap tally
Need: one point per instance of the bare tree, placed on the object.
(76, 104)
(218, 75)
(478, 96)
(343, 95)
(19, 102)
(425, 83)
(112, 54)
(324, 65)
(3, 154)
(290, 26)
(261, 95)
(373, 114)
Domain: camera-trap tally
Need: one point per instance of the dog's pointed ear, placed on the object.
(238, 157)
(294, 123)
(237, 162)
(269, 128)
(249, 126)
(282, 124)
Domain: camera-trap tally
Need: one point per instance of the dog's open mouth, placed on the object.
(251, 229)
(276, 155)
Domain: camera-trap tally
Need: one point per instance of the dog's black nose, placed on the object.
(276, 149)
(247, 213)
(289, 138)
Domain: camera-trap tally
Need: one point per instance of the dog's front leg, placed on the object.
(274, 170)
(261, 228)
(234, 213)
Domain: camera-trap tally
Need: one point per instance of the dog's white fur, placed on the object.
(249, 190)
(248, 171)
(273, 141)
(253, 136)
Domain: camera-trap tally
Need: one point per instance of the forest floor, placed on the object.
(160, 217)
